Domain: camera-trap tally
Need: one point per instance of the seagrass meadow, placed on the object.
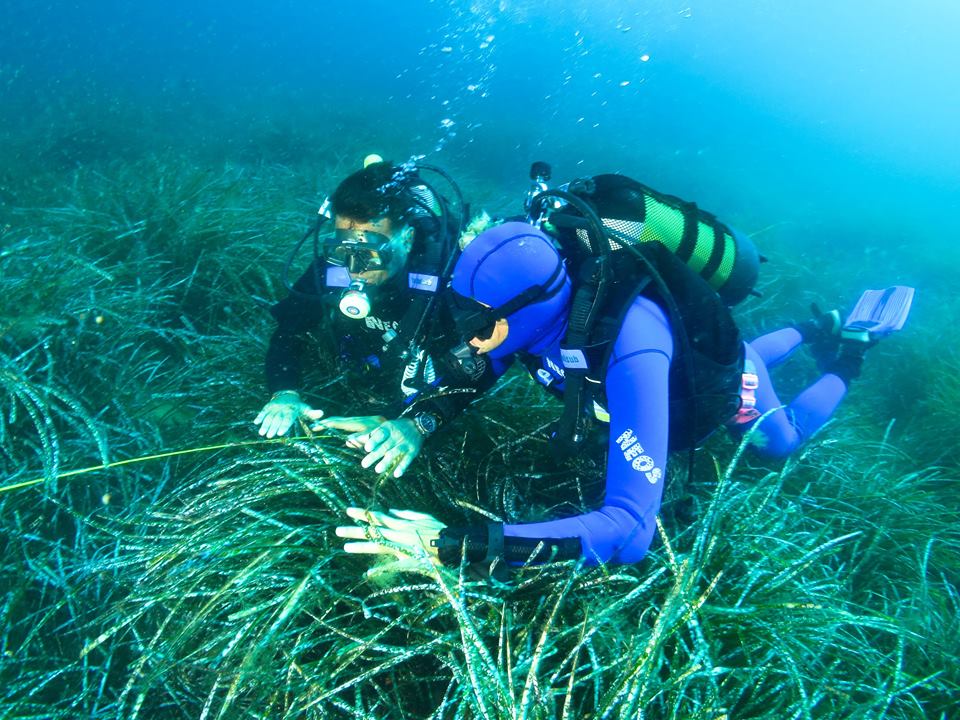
(159, 560)
(162, 561)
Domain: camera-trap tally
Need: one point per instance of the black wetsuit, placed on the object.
(390, 384)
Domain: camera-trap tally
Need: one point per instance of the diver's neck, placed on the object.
(552, 337)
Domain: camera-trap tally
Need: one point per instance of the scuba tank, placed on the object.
(633, 214)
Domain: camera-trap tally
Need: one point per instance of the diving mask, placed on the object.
(472, 318)
(358, 250)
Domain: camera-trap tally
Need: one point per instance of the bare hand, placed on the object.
(401, 533)
(391, 444)
(282, 411)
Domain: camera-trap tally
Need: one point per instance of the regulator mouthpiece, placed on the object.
(466, 360)
(354, 302)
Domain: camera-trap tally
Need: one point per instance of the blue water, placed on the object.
(836, 122)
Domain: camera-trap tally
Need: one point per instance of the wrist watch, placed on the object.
(427, 423)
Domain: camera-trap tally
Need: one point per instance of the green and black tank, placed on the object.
(633, 214)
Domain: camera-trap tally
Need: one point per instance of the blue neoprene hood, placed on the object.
(502, 262)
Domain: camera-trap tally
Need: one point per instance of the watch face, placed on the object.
(426, 422)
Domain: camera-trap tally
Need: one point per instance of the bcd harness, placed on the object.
(604, 291)
(610, 269)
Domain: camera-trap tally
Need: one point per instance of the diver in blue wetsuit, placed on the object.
(513, 298)
(493, 271)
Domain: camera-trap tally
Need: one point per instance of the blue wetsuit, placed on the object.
(638, 403)
(637, 393)
(784, 430)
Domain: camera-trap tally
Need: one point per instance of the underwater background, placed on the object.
(159, 160)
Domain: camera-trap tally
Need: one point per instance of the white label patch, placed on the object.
(634, 454)
(600, 412)
(574, 359)
(553, 366)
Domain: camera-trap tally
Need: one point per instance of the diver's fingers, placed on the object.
(367, 548)
(311, 413)
(377, 438)
(265, 421)
(391, 527)
(388, 460)
(349, 424)
(271, 425)
(260, 417)
(282, 422)
(377, 534)
(398, 524)
(374, 456)
(370, 517)
(412, 515)
(402, 465)
(352, 531)
(366, 438)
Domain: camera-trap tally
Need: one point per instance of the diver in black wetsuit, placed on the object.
(370, 293)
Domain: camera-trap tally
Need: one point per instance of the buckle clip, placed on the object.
(749, 383)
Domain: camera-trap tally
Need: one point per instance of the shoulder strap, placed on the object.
(588, 300)
(425, 279)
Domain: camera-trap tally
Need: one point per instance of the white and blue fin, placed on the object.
(878, 313)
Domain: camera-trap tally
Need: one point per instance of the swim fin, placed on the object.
(878, 313)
